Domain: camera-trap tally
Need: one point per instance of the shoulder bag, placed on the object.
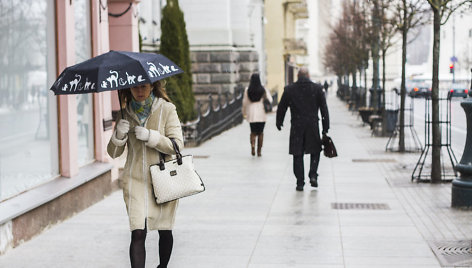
(267, 105)
(176, 178)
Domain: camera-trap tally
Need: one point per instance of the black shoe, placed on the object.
(314, 182)
(299, 188)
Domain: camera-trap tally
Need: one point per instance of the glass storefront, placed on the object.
(83, 51)
(28, 109)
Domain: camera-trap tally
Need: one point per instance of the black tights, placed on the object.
(137, 250)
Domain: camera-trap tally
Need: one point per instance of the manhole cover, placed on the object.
(374, 160)
(368, 206)
(453, 253)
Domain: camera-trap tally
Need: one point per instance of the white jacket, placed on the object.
(254, 111)
(163, 124)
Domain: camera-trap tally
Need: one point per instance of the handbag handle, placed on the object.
(177, 153)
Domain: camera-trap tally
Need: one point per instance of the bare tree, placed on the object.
(442, 10)
(408, 15)
(361, 35)
(387, 34)
(346, 51)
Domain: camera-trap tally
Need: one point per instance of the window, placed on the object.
(83, 51)
(28, 110)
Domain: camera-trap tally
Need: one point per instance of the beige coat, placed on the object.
(163, 124)
(254, 111)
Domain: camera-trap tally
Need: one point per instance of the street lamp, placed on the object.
(462, 186)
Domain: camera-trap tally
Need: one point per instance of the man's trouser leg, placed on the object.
(314, 161)
(299, 169)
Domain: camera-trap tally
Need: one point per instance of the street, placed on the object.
(458, 123)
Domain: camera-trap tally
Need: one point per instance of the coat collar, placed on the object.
(304, 80)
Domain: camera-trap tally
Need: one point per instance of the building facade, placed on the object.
(225, 37)
(282, 44)
(54, 161)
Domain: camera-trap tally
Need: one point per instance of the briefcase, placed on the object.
(328, 147)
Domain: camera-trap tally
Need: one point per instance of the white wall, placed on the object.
(213, 24)
(208, 22)
(150, 10)
(322, 14)
(256, 33)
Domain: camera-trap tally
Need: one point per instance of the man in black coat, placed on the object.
(304, 98)
(325, 86)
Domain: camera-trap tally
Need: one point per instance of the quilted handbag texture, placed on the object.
(175, 178)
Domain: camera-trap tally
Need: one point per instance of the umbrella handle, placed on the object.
(121, 110)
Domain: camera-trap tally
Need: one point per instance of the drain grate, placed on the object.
(368, 206)
(201, 156)
(374, 160)
(453, 253)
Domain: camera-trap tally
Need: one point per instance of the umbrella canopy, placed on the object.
(114, 70)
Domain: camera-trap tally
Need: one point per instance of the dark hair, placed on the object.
(157, 89)
(255, 90)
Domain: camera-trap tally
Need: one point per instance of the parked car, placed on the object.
(458, 90)
(417, 92)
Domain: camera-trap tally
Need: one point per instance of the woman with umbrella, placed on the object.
(147, 126)
(150, 121)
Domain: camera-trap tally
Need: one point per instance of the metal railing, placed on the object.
(222, 113)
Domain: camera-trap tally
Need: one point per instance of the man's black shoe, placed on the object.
(299, 188)
(314, 182)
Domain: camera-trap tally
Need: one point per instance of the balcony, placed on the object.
(294, 46)
(298, 8)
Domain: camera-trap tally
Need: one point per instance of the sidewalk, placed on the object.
(251, 215)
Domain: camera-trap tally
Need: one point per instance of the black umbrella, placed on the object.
(114, 70)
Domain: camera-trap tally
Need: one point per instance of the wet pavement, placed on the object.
(365, 212)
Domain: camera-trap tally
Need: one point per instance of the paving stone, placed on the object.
(251, 216)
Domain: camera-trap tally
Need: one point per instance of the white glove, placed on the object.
(122, 129)
(142, 133)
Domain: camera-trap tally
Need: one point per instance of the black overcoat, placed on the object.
(304, 98)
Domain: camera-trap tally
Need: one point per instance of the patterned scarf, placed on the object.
(142, 109)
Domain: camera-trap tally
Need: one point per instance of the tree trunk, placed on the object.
(384, 113)
(436, 130)
(365, 85)
(353, 88)
(354, 79)
(401, 138)
(376, 54)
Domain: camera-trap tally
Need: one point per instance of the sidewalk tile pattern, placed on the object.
(251, 216)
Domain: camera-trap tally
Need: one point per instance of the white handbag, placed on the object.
(175, 178)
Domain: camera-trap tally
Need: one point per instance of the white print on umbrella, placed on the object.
(155, 72)
(114, 80)
(77, 85)
(89, 85)
(73, 84)
(130, 78)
